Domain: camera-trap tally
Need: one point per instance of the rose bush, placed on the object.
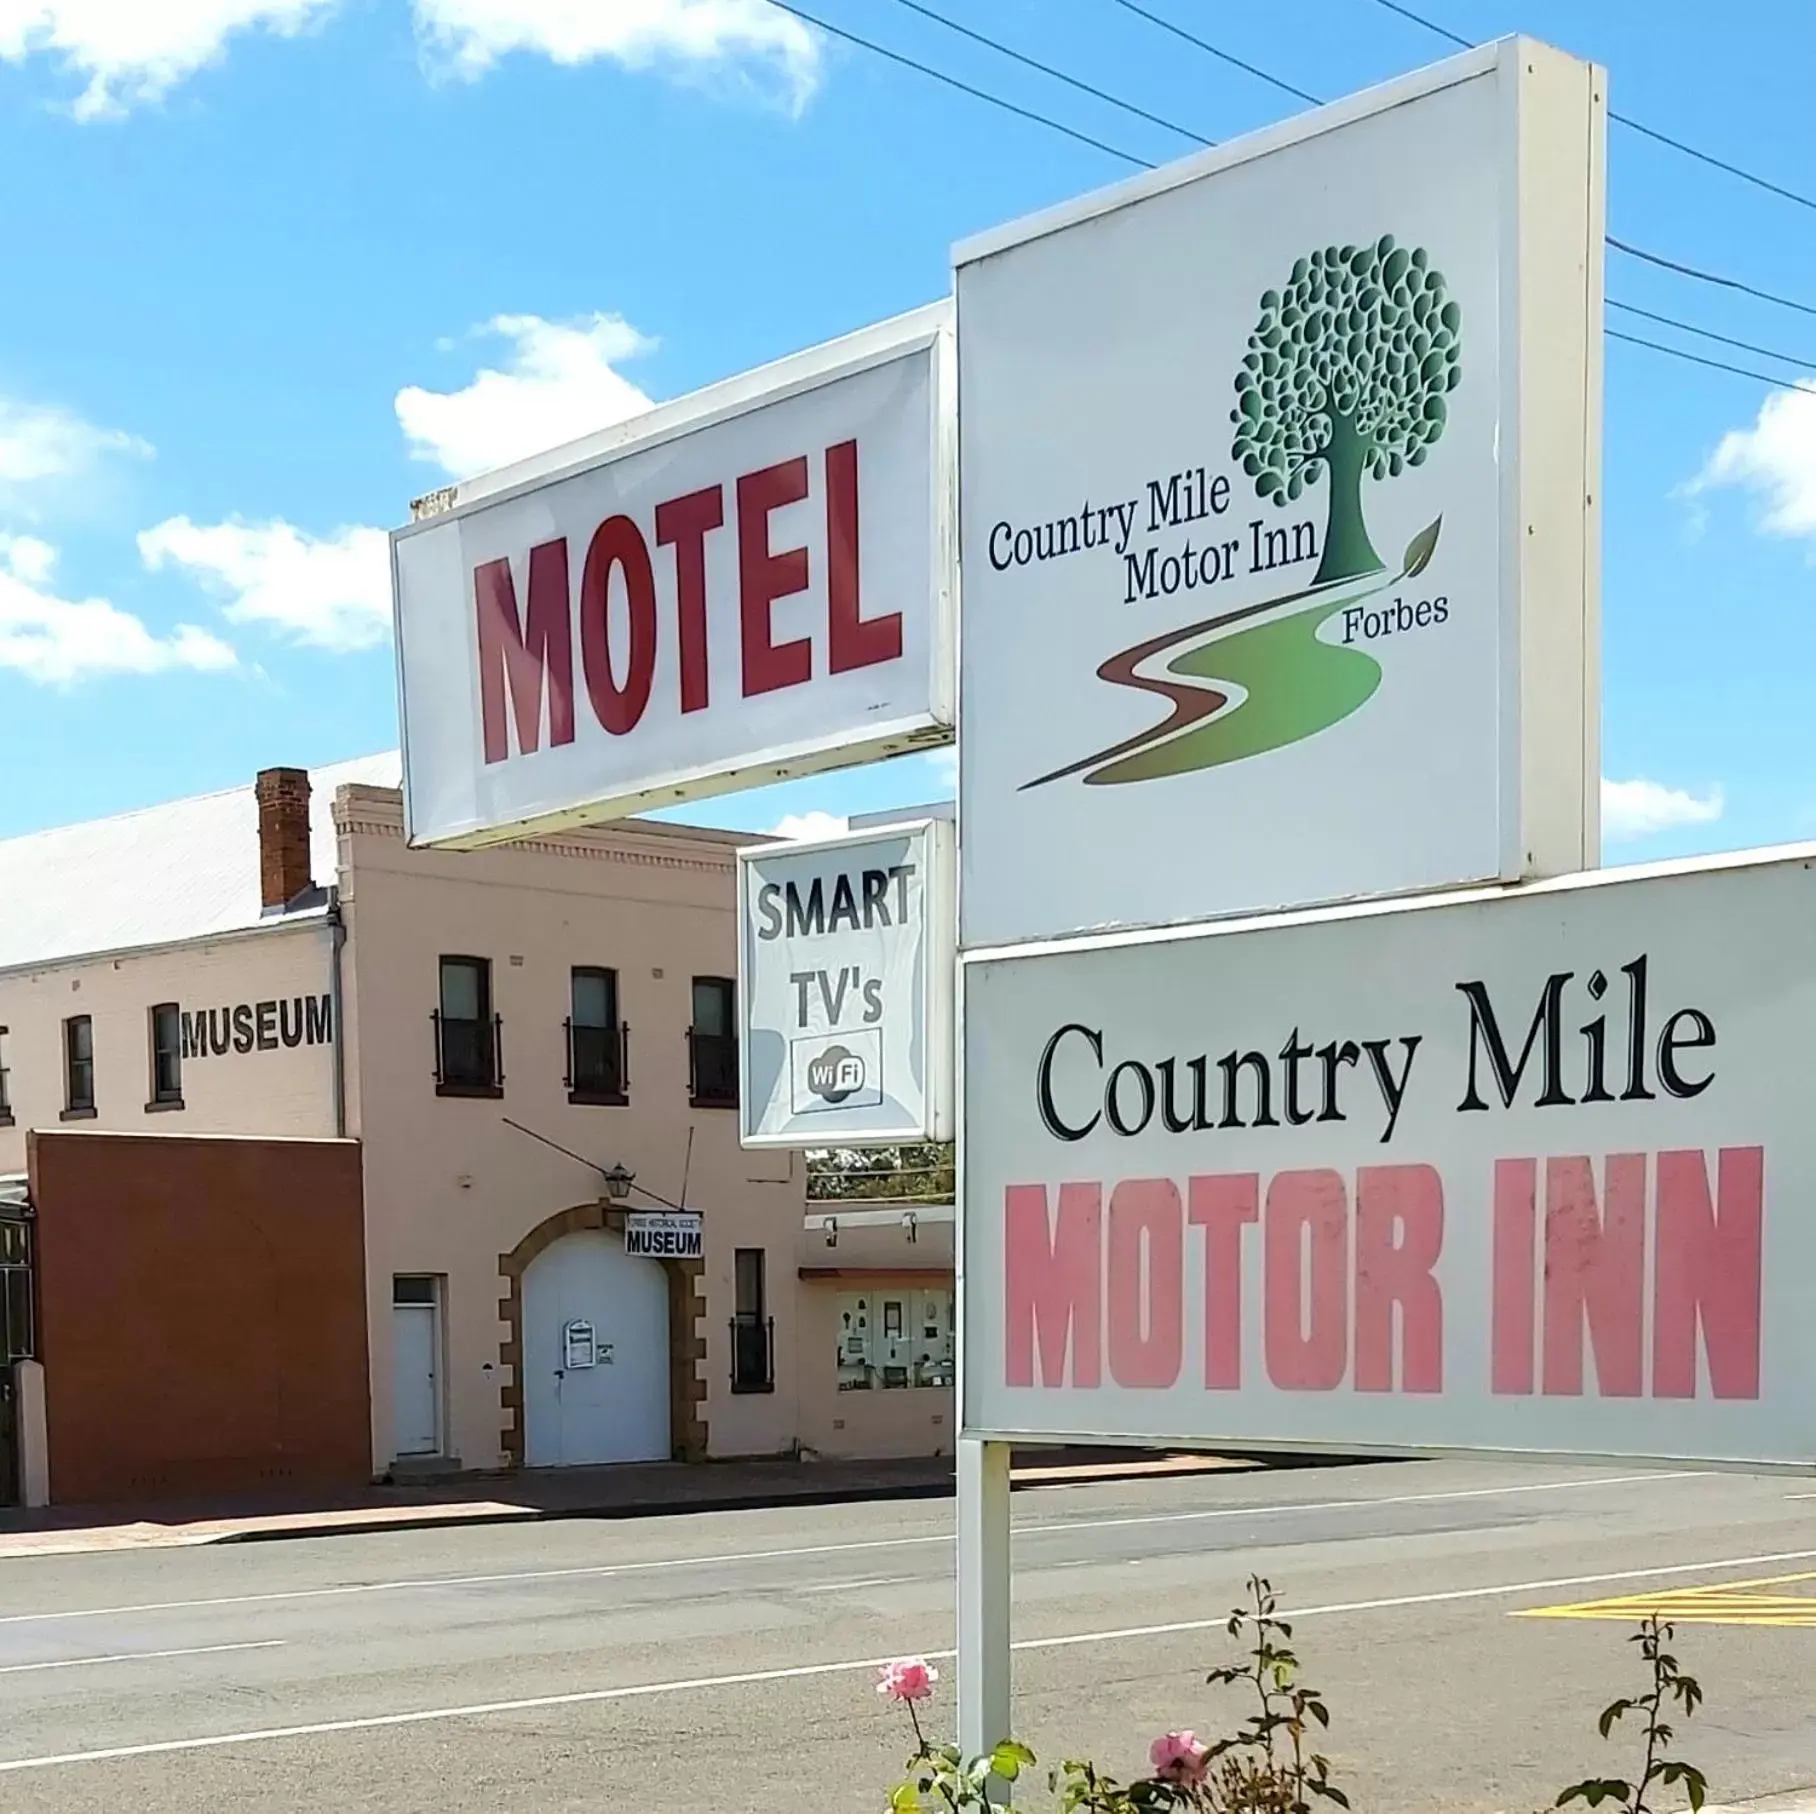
(1267, 1766)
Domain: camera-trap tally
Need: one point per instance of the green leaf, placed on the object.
(1421, 548)
(1330, 1793)
(905, 1800)
(1009, 1759)
(1595, 1792)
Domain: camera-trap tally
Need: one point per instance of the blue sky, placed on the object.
(280, 265)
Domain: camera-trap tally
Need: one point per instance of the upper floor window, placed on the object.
(78, 1065)
(166, 1056)
(467, 1056)
(713, 1043)
(598, 1070)
(6, 1101)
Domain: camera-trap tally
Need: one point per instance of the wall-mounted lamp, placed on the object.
(831, 1225)
(618, 1183)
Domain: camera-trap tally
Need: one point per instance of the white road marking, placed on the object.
(138, 1656)
(1062, 1527)
(643, 1690)
(1440, 1598)
(845, 1587)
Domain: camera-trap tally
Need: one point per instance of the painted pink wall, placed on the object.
(450, 1187)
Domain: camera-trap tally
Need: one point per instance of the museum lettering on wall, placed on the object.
(263, 1026)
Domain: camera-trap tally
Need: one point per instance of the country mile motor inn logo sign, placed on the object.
(1345, 384)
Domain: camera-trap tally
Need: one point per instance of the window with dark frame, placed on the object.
(79, 1065)
(713, 1043)
(753, 1346)
(466, 1030)
(18, 1337)
(166, 1056)
(6, 1101)
(598, 1070)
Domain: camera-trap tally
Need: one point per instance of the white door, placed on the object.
(595, 1354)
(416, 1364)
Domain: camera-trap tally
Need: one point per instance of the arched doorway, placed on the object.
(535, 1345)
(595, 1354)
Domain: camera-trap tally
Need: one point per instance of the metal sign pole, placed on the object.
(983, 1597)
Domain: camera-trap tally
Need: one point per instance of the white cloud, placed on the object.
(55, 641)
(1640, 809)
(26, 558)
(689, 36)
(42, 446)
(1776, 458)
(333, 592)
(560, 383)
(137, 50)
(810, 825)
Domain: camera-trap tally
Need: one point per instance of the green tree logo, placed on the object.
(1346, 373)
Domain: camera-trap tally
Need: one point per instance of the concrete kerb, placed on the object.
(271, 1527)
(657, 1505)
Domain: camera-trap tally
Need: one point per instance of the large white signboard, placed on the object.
(845, 967)
(1529, 1173)
(1278, 515)
(749, 584)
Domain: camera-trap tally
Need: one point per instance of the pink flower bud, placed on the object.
(1179, 1757)
(906, 1679)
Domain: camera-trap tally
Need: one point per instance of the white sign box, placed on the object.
(845, 961)
(749, 584)
(663, 1234)
(1529, 1172)
(1278, 530)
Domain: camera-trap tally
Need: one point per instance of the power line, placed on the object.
(1710, 277)
(1128, 157)
(1620, 245)
(1443, 31)
(1627, 120)
(1058, 75)
(1714, 163)
(1223, 56)
(1689, 327)
(939, 75)
(1719, 365)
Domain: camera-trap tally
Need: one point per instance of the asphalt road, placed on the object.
(725, 1660)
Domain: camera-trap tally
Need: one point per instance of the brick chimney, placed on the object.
(283, 796)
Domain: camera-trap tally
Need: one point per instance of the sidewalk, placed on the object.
(642, 1490)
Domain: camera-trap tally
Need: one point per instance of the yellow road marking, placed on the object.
(1714, 1603)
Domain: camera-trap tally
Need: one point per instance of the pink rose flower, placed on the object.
(1180, 1757)
(906, 1679)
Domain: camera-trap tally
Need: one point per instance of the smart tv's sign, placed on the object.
(1520, 1173)
(741, 586)
(845, 967)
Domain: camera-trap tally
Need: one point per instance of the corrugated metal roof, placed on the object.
(185, 870)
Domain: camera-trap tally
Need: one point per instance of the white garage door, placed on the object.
(595, 1354)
